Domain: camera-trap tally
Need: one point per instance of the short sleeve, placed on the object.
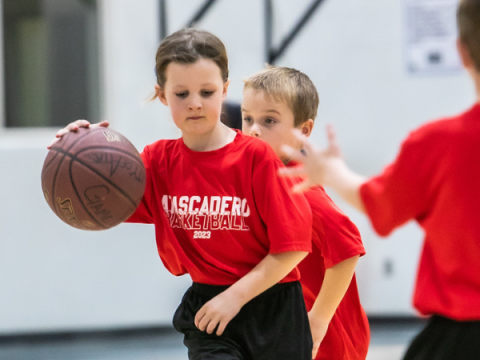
(143, 213)
(287, 215)
(334, 233)
(399, 193)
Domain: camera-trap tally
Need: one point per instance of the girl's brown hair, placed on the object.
(186, 46)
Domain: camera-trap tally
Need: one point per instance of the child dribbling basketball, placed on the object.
(277, 100)
(223, 216)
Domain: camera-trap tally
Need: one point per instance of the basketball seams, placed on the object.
(52, 190)
(79, 197)
(118, 156)
(45, 166)
(65, 152)
(125, 152)
(75, 158)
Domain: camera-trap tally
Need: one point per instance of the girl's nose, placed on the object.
(195, 103)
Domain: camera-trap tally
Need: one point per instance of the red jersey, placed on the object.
(218, 213)
(335, 239)
(436, 181)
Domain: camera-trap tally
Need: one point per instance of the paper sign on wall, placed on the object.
(431, 36)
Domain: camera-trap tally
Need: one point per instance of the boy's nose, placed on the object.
(255, 131)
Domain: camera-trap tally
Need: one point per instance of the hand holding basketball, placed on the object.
(74, 126)
(93, 178)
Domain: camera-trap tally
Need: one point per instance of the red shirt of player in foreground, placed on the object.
(223, 216)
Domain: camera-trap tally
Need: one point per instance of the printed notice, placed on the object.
(431, 36)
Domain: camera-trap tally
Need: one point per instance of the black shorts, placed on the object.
(446, 339)
(273, 325)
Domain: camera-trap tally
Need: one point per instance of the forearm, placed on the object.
(346, 183)
(335, 285)
(268, 272)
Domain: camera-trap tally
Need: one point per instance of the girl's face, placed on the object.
(194, 92)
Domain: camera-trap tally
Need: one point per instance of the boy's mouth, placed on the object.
(194, 117)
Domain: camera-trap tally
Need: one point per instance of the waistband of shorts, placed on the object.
(214, 290)
(441, 318)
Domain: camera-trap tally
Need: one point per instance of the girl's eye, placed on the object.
(207, 93)
(270, 121)
(182, 94)
(247, 120)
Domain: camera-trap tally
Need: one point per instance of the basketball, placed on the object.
(93, 179)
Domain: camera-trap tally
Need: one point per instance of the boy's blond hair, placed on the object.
(290, 86)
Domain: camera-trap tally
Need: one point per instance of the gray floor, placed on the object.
(388, 342)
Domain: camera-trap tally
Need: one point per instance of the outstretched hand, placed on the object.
(74, 126)
(317, 164)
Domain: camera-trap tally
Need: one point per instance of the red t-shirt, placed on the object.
(436, 181)
(217, 214)
(335, 239)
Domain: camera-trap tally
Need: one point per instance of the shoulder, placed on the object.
(258, 147)
(252, 144)
(317, 198)
(336, 225)
(322, 205)
(162, 144)
(436, 130)
(160, 149)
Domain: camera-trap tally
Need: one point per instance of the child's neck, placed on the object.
(214, 140)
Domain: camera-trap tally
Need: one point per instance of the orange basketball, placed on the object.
(93, 179)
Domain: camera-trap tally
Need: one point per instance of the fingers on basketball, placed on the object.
(103, 123)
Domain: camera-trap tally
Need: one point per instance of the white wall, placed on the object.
(53, 277)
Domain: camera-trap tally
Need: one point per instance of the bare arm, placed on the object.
(223, 308)
(335, 285)
(326, 167)
(346, 183)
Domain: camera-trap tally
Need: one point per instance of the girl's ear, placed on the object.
(225, 88)
(307, 127)
(161, 94)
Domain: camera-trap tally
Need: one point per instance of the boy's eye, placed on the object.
(207, 93)
(270, 121)
(247, 120)
(182, 94)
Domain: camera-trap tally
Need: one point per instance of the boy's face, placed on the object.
(269, 120)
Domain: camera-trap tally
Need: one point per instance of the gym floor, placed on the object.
(388, 342)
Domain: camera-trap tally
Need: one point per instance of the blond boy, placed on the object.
(276, 101)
